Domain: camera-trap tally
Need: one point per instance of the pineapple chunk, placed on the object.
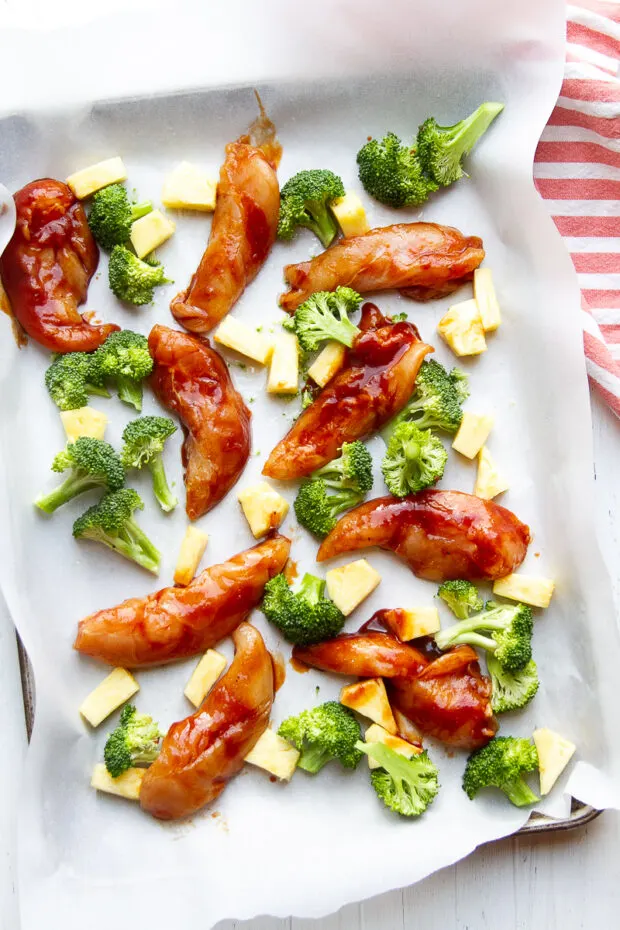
(263, 507)
(191, 551)
(554, 754)
(461, 328)
(127, 785)
(84, 422)
(349, 585)
(85, 182)
(526, 588)
(409, 624)
(489, 481)
(275, 755)
(472, 434)
(150, 231)
(369, 698)
(204, 676)
(187, 187)
(284, 367)
(376, 734)
(350, 213)
(113, 691)
(329, 361)
(486, 299)
(235, 335)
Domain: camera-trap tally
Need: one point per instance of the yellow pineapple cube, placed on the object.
(489, 481)
(369, 698)
(461, 328)
(236, 335)
(275, 755)
(376, 734)
(349, 585)
(204, 676)
(327, 363)
(191, 551)
(472, 434)
(127, 785)
(526, 588)
(188, 187)
(554, 754)
(263, 507)
(85, 182)
(284, 367)
(350, 213)
(113, 691)
(150, 231)
(85, 421)
(414, 622)
(486, 299)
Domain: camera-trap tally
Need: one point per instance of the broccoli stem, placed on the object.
(311, 589)
(72, 487)
(313, 758)
(99, 391)
(520, 793)
(323, 224)
(165, 497)
(467, 631)
(140, 209)
(464, 135)
(130, 391)
(136, 546)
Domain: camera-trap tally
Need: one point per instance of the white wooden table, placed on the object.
(565, 881)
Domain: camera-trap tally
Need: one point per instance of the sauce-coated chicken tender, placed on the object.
(47, 266)
(192, 380)
(201, 753)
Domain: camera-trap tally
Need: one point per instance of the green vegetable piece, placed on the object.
(461, 596)
(406, 786)
(111, 215)
(137, 739)
(132, 279)
(124, 358)
(502, 764)
(415, 459)
(323, 316)
(437, 401)
(325, 733)
(505, 630)
(511, 690)
(305, 200)
(391, 173)
(441, 149)
(144, 440)
(92, 464)
(305, 616)
(69, 381)
(111, 523)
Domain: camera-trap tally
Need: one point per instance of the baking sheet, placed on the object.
(314, 845)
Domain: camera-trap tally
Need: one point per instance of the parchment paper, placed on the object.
(351, 71)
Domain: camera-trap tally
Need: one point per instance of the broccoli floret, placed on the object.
(502, 764)
(352, 469)
(111, 215)
(137, 739)
(391, 173)
(511, 690)
(317, 510)
(93, 464)
(305, 616)
(305, 200)
(327, 732)
(436, 403)
(144, 440)
(325, 315)
(509, 630)
(125, 359)
(414, 459)
(69, 380)
(441, 148)
(111, 522)
(461, 596)
(307, 397)
(131, 279)
(406, 786)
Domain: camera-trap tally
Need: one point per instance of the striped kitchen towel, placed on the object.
(577, 171)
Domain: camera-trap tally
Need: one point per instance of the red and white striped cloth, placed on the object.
(577, 171)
